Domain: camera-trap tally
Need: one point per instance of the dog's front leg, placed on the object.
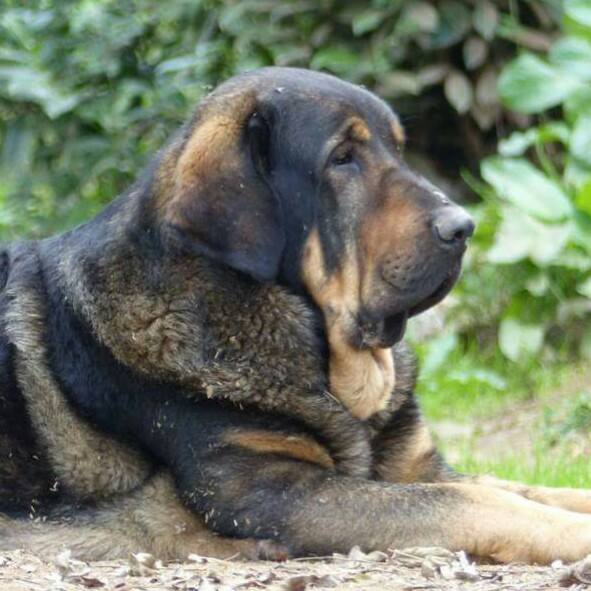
(404, 452)
(313, 510)
(571, 499)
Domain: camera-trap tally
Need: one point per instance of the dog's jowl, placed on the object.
(215, 363)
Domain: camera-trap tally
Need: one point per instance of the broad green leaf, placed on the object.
(458, 91)
(572, 55)
(580, 142)
(438, 351)
(538, 285)
(578, 104)
(520, 236)
(530, 85)
(519, 341)
(585, 288)
(337, 59)
(367, 21)
(555, 131)
(18, 149)
(571, 259)
(519, 141)
(477, 374)
(178, 64)
(433, 74)
(576, 173)
(486, 87)
(585, 347)
(418, 17)
(583, 198)
(475, 51)
(398, 82)
(582, 234)
(454, 24)
(579, 10)
(27, 84)
(520, 183)
(485, 18)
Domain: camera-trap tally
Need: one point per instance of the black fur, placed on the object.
(192, 330)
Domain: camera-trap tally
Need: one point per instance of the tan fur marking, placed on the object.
(410, 459)
(359, 130)
(362, 379)
(164, 181)
(571, 499)
(398, 133)
(213, 147)
(391, 229)
(509, 528)
(204, 152)
(294, 446)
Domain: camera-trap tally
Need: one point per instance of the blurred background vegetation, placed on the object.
(496, 99)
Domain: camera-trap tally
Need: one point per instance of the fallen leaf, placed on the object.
(300, 583)
(579, 572)
(143, 564)
(376, 556)
(89, 582)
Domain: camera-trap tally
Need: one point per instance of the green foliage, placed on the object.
(564, 471)
(472, 384)
(537, 201)
(90, 88)
(577, 418)
(532, 426)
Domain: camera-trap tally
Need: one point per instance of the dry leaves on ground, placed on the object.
(411, 568)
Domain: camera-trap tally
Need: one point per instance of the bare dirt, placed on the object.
(414, 568)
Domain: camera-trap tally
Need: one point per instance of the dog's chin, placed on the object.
(390, 329)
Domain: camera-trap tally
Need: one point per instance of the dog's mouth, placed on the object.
(390, 329)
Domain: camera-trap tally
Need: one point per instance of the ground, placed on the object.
(414, 568)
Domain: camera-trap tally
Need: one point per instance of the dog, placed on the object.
(215, 364)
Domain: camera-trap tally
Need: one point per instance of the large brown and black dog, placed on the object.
(214, 364)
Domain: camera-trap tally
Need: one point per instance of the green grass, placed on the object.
(476, 384)
(540, 468)
(475, 387)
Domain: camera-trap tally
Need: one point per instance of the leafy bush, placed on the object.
(90, 88)
(535, 226)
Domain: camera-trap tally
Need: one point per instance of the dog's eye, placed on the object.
(343, 157)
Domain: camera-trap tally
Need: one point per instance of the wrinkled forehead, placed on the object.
(319, 105)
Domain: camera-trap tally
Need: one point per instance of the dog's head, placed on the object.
(295, 176)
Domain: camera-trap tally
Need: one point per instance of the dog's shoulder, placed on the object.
(25, 469)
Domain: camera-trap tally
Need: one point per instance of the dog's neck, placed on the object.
(131, 284)
(159, 310)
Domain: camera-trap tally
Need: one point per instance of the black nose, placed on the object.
(453, 225)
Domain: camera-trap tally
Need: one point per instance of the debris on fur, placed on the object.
(401, 569)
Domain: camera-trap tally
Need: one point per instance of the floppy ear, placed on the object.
(222, 202)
